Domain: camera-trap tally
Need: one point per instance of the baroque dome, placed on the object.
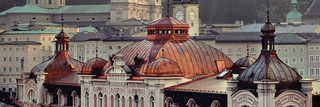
(94, 66)
(242, 64)
(163, 67)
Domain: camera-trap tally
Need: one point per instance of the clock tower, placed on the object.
(188, 12)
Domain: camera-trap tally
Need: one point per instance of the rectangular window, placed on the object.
(311, 72)
(17, 49)
(4, 80)
(4, 69)
(43, 58)
(293, 60)
(229, 50)
(252, 50)
(17, 59)
(293, 50)
(317, 58)
(34, 49)
(10, 80)
(301, 50)
(286, 60)
(301, 60)
(10, 49)
(311, 48)
(301, 73)
(43, 48)
(17, 69)
(119, 47)
(50, 2)
(286, 50)
(10, 59)
(22, 49)
(34, 58)
(239, 50)
(311, 59)
(9, 39)
(43, 39)
(49, 48)
(317, 71)
(4, 59)
(110, 47)
(10, 69)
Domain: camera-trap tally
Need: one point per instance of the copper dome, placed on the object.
(94, 66)
(62, 34)
(268, 28)
(242, 64)
(163, 67)
(193, 58)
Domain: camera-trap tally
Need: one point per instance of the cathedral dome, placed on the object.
(163, 67)
(61, 63)
(242, 64)
(94, 66)
(193, 58)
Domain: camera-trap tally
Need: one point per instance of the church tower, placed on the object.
(49, 4)
(135, 9)
(188, 12)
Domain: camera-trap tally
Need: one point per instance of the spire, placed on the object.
(97, 46)
(168, 7)
(248, 48)
(268, 13)
(62, 19)
(268, 34)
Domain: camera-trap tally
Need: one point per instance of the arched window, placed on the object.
(191, 103)
(130, 101)
(245, 106)
(60, 98)
(142, 102)
(46, 97)
(136, 101)
(151, 101)
(117, 101)
(291, 106)
(87, 99)
(169, 102)
(31, 96)
(100, 101)
(215, 103)
(74, 99)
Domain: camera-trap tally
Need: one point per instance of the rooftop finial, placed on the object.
(97, 46)
(168, 7)
(62, 19)
(248, 47)
(268, 13)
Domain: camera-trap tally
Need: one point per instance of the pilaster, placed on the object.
(231, 88)
(40, 81)
(266, 92)
(306, 88)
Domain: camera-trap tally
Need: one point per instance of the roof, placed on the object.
(39, 31)
(69, 9)
(163, 67)
(84, 36)
(94, 66)
(168, 21)
(255, 37)
(280, 29)
(207, 84)
(243, 62)
(28, 9)
(313, 9)
(58, 66)
(193, 58)
(88, 29)
(70, 79)
(21, 43)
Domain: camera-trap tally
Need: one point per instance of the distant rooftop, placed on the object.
(313, 9)
(279, 29)
(21, 43)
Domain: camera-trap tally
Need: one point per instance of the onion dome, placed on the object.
(294, 15)
(269, 66)
(61, 63)
(163, 67)
(94, 66)
(242, 64)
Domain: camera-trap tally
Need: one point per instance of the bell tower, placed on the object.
(49, 4)
(188, 12)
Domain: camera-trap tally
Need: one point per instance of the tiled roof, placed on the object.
(41, 31)
(314, 9)
(207, 84)
(21, 43)
(84, 36)
(279, 29)
(84, 9)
